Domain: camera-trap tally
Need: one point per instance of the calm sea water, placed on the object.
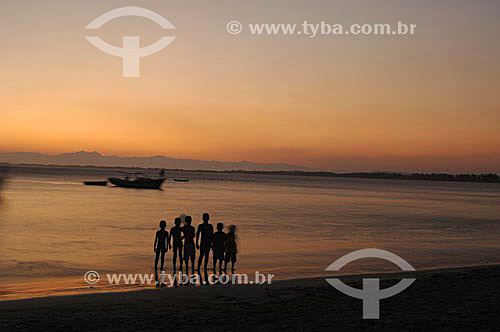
(53, 228)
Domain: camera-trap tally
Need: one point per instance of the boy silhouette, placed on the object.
(161, 245)
(219, 246)
(206, 231)
(231, 248)
(189, 249)
(176, 236)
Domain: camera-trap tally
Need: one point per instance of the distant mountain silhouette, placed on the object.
(83, 158)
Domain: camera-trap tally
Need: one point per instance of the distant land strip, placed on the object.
(491, 177)
(483, 178)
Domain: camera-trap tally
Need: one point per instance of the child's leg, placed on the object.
(174, 261)
(180, 258)
(156, 264)
(163, 266)
(199, 259)
(174, 257)
(207, 257)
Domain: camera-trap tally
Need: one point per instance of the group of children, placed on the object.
(182, 240)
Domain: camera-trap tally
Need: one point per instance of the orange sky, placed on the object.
(329, 102)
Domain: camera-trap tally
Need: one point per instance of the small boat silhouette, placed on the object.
(96, 183)
(181, 180)
(138, 182)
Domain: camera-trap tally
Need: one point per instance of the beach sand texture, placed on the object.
(461, 299)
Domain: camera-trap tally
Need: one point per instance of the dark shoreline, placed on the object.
(457, 299)
(444, 177)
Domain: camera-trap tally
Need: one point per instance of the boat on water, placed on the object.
(138, 182)
(181, 180)
(96, 183)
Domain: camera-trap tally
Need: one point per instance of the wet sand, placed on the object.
(461, 299)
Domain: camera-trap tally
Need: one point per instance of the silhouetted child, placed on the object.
(219, 246)
(161, 245)
(206, 232)
(231, 249)
(189, 248)
(176, 236)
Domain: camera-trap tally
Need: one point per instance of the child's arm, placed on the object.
(169, 236)
(156, 241)
(197, 237)
(211, 236)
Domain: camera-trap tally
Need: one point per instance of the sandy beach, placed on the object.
(460, 299)
(348, 151)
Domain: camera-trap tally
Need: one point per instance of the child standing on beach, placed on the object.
(219, 246)
(161, 245)
(231, 248)
(189, 248)
(176, 235)
(205, 232)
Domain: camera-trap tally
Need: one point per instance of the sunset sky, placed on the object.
(425, 102)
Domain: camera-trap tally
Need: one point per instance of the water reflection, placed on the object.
(3, 179)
